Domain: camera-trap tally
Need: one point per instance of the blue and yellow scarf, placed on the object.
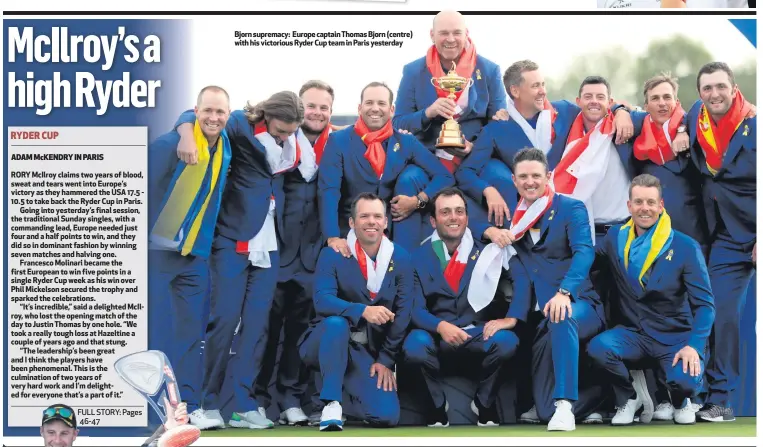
(190, 191)
(639, 253)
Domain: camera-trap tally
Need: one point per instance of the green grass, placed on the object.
(742, 427)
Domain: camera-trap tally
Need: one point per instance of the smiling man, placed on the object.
(447, 323)
(533, 121)
(666, 303)
(551, 236)
(371, 156)
(654, 132)
(363, 308)
(59, 426)
(245, 258)
(299, 249)
(184, 204)
(723, 147)
(423, 108)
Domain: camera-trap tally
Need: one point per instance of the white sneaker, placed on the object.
(263, 412)
(204, 420)
(563, 419)
(530, 416)
(685, 415)
(593, 418)
(293, 416)
(251, 419)
(642, 393)
(331, 417)
(695, 407)
(625, 414)
(664, 412)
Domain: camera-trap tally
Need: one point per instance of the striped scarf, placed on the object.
(185, 204)
(639, 253)
(453, 267)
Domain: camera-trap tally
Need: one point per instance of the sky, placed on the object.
(254, 73)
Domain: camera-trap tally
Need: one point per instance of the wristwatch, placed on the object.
(681, 129)
(564, 292)
(422, 202)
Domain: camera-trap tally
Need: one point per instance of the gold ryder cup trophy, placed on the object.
(450, 134)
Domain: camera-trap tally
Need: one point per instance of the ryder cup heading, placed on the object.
(36, 51)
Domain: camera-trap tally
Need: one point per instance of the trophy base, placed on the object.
(449, 138)
(180, 436)
(449, 145)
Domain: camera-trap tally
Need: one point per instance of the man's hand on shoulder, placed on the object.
(501, 115)
(187, 151)
(339, 245)
(623, 125)
(680, 143)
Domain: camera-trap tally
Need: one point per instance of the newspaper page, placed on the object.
(225, 225)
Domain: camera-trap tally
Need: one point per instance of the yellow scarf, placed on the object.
(184, 192)
(656, 240)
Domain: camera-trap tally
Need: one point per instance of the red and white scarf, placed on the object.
(280, 159)
(487, 270)
(584, 163)
(373, 140)
(654, 141)
(311, 155)
(714, 138)
(456, 264)
(465, 67)
(373, 272)
(450, 161)
(543, 135)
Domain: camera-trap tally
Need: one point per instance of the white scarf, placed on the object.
(540, 137)
(375, 274)
(279, 160)
(478, 299)
(487, 271)
(308, 165)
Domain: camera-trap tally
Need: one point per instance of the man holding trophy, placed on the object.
(446, 112)
(372, 156)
